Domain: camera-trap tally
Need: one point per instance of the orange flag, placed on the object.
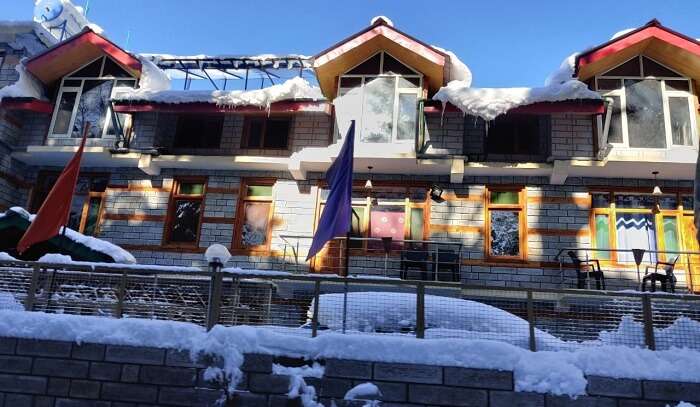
(55, 210)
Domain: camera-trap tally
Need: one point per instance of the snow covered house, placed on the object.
(513, 175)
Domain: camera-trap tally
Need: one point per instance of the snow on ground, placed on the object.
(115, 252)
(6, 257)
(26, 86)
(558, 372)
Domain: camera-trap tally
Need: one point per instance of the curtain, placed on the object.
(636, 231)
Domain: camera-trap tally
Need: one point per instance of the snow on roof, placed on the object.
(292, 89)
(27, 86)
(459, 71)
(622, 32)
(115, 252)
(386, 19)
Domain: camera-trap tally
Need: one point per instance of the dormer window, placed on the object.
(652, 105)
(84, 99)
(381, 94)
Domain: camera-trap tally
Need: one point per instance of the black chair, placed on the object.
(663, 272)
(415, 257)
(586, 269)
(447, 260)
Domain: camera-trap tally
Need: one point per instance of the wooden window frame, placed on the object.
(86, 208)
(520, 207)
(243, 198)
(203, 117)
(175, 196)
(245, 139)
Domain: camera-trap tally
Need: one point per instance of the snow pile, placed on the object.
(293, 89)
(55, 258)
(621, 33)
(363, 391)
(9, 302)
(386, 19)
(682, 333)
(6, 257)
(153, 79)
(315, 370)
(564, 73)
(458, 70)
(26, 86)
(115, 252)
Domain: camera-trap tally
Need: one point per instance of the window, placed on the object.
(505, 223)
(266, 133)
(254, 220)
(513, 134)
(84, 99)
(185, 211)
(196, 131)
(382, 94)
(652, 105)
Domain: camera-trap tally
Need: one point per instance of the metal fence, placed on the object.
(312, 305)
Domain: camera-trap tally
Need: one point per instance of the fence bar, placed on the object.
(345, 305)
(531, 320)
(31, 294)
(420, 310)
(121, 294)
(214, 303)
(314, 317)
(649, 339)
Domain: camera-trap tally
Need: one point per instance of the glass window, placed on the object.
(416, 229)
(259, 190)
(357, 228)
(653, 68)
(195, 131)
(92, 108)
(634, 201)
(681, 126)
(629, 68)
(377, 110)
(64, 112)
(111, 68)
(609, 84)
(369, 67)
(670, 228)
(255, 224)
(392, 66)
(645, 113)
(635, 231)
(687, 201)
(600, 200)
(602, 235)
(185, 222)
(615, 129)
(505, 233)
(276, 134)
(408, 104)
(93, 212)
(91, 70)
(191, 188)
(268, 133)
(505, 197)
(515, 134)
(681, 85)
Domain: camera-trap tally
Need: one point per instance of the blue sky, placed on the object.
(504, 42)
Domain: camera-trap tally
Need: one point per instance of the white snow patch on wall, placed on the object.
(315, 370)
(27, 86)
(363, 391)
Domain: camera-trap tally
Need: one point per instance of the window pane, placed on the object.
(369, 67)
(682, 85)
(615, 129)
(64, 112)
(72, 83)
(393, 66)
(92, 108)
(112, 124)
(259, 190)
(600, 200)
(378, 108)
(92, 215)
(408, 105)
(99, 183)
(652, 68)
(276, 133)
(255, 220)
(609, 84)
(634, 201)
(514, 134)
(629, 68)
(350, 82)
(505, 233)
(687, 201)
(408, 82)
(356, 225)
(111, 68)
(416, 224)
(668, 202)
(387, 221)
(602, 236)
(505, 197)
(671, 234)
(255, 133)
(681, 128)
(91, 70)
(635, 231)
(191, 188)
(645, 114)
(195, 131)
(185, 223)
(127, 83)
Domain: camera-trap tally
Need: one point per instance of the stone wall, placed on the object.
(63, 374)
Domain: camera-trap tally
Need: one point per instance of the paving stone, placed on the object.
(256, 363)
(23, 384)
(33, 347)
(86, 389)
(58, 387)
(15, 364)
(349, 369)
(607, 386)
(129, 392)
(61, 368)
(663, 390)
(88, 351)
(447, 396)
(515, 399)
(174, 376)
(580, 401)
(262, 383)
(408, 373)
(105, 371)
(479, 378)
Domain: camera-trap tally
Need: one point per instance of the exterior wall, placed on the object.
(572, 136)
(13, 188)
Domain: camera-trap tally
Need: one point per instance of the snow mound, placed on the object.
(293, 89)
(488, 103)
(682, 333)
(386, 19)
(458, 70)
(564, 73)
(153, 79)
(621, 33)
(9, 302)
(315, 370)
(115, 252)
(363, 391)
(6, 257)
(55, 258)
(26, 86)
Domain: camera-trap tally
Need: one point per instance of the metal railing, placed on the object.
(312, 305)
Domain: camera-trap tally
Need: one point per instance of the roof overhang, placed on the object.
(27, 104)
(69, 55)
(674, 49)
(582, 106)
(343, 56)
(277, 107)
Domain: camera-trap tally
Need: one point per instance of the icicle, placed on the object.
(442, 114)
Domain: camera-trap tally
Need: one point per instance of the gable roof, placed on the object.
(69, 55)
(678, 51)
(381, 35)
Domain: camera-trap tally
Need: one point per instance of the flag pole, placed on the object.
(347, 253)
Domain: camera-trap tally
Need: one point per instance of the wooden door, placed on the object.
(690, 244)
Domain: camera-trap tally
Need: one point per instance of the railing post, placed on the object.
(649, 339)
(31, 294)
(314, 316)
(420, 310)
(213, 307)
(345, 304)
(531, 321)
(121, 293)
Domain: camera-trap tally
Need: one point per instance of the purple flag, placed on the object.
(335, 219)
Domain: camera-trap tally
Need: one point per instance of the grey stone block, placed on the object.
(447, 396)
(515, 399)
(33, 347)
(408, 373)
(134, 354)
(246, 399)
(58, 387)
(174, 376)
(643, 403)
(130, 373)
(580, 401)
(18, 400)
(88, 351)
(61, 368)
(23, 384)
(7, 346)
(274, 384)
(15, 364)
(129, 392)
(179, 358)
(178, 396)
(85, 389)
(256, 363)
(480, 378)
(663, 390)
(607, 386)
(390, 391)
(43, 401)
(81, 403)
(105, 371)
(350, 369)
(209, 397)
(335, 388)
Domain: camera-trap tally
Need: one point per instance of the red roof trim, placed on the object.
(587, 106)
(278, 107)
(34, 105)
(653, 29)
(87, 36)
